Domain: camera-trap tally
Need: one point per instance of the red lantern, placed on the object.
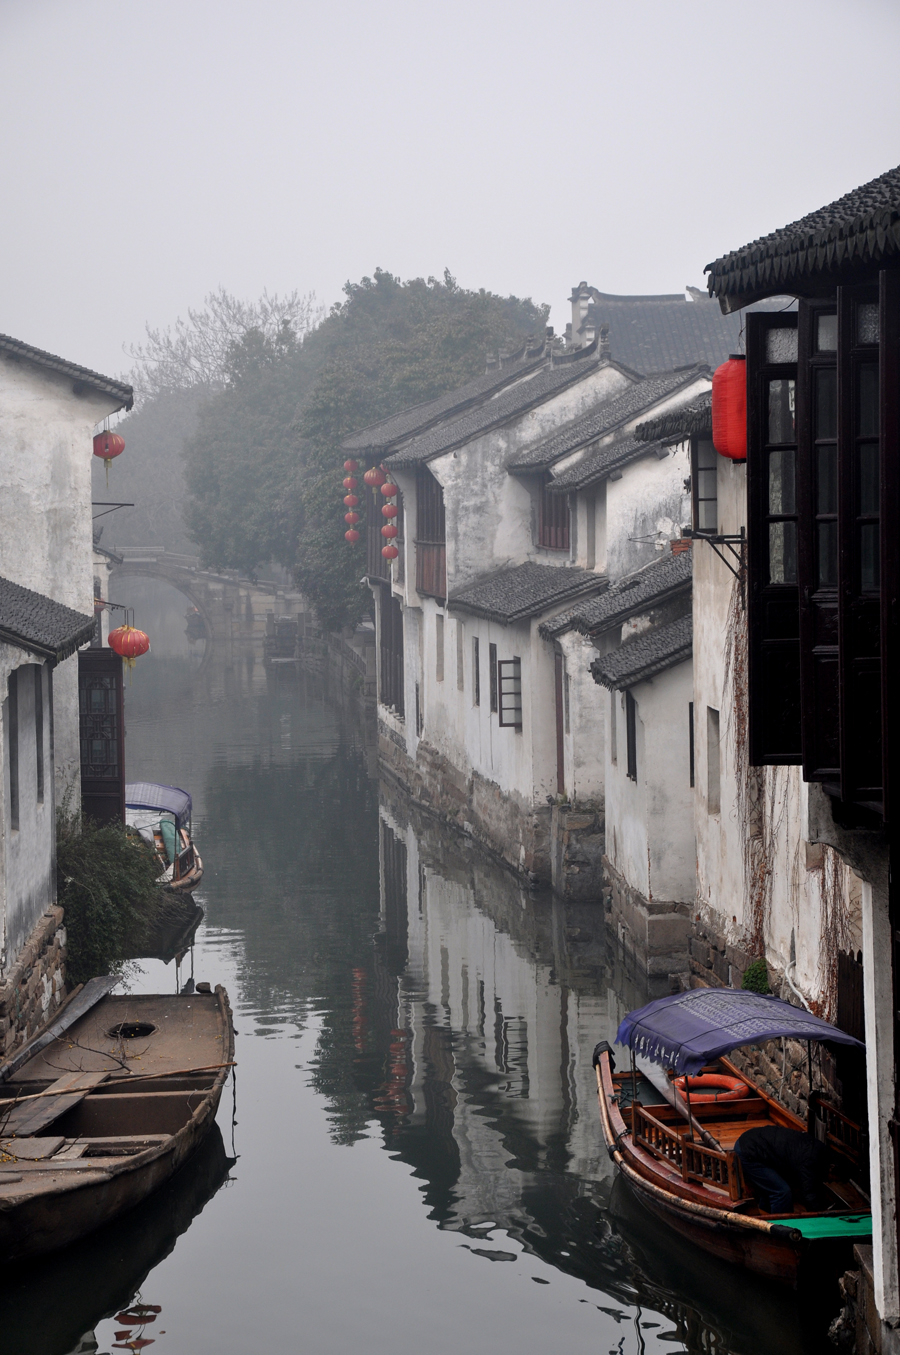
(389, 510)
(374, 477)
(390, 552)
(351, 518)
(389, 530)
(106, 446)
(389, 490)
(350, 481)
(729, 408)
(351, 466)
(351, 500)
(129, 643)
(352, 535)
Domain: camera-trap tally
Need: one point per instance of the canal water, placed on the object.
(408, 1157)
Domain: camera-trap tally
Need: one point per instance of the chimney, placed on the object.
(604, 351)
(491, 364)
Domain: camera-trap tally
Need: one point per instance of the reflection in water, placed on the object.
(393, 989)
(51, 1307)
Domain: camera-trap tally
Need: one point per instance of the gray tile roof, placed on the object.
(646, 655)
(39, 625)
(547, 380)
(861, 228)
(693, 420)
(82, 377)
(386, 432)
(656, 333)
(525, 590)
(650, 586)
(606, 417)
(601, 464)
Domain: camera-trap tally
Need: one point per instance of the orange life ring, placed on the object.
(713, 1087)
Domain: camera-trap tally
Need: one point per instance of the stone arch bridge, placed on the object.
(232, 608)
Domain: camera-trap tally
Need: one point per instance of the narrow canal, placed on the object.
(409, 1157)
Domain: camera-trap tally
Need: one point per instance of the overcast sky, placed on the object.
(152, 150)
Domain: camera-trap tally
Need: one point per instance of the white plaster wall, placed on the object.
(27, 853)
(650, 821)
(585, 739)
(650, 500)
(797, 900)
(45, 512)
(490, 513)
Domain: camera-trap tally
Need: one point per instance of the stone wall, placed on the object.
(504, 824)
(654, 931)
(35, 985)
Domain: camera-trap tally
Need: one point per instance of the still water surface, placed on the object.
(409, 1157)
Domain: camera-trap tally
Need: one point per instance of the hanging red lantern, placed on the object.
(389, 490)
(374, 477)
(729, 408)
(352, 535)
(106, 446)
(389, 510)
(351, 500)
(389, 530)
(351, 518)
(129, 643)
(390, 552)
(351, 466)
(350, 482)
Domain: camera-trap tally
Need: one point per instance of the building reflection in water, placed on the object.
(485, 1003)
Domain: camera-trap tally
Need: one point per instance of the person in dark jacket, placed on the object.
(778, 1163)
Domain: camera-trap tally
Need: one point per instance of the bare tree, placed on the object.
(196, 351)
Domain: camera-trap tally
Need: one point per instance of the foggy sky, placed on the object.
(152, 150)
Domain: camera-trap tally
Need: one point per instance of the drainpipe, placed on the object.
(793, 987)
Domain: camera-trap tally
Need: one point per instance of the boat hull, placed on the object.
(75, 1198)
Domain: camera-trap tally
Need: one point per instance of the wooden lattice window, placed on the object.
(553, 518)
(631, 736)
(391, 652)
(509, 677)
(431, 536)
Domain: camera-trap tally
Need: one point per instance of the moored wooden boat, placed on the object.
(679, 1158)
(102, 1116)
(162, 816)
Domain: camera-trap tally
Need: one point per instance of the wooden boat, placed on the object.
(162, 816)
(101, 1111)
(678, 1152)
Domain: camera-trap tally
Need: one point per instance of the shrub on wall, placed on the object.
(106, 878)
(756, 977)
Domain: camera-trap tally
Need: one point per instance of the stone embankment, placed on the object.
(36, 984)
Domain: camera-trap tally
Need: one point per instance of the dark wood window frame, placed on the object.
(390, 652)
(492, 675)
(691, 742)
(704, 476)
(39, 729)
(631, 736)
(509, 683)
(476, 672)
(773, 599)
(12, 741)
(431, 536)
(553, 517)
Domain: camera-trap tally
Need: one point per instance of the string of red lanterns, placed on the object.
(389, 510)
(351, 500)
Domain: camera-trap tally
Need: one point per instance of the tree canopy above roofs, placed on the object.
(286, 387)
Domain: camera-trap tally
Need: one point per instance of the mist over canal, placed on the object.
(410, 1157)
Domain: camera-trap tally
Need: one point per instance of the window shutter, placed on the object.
(773, 589)
(890, 556)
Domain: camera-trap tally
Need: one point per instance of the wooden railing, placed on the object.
(695, 1161)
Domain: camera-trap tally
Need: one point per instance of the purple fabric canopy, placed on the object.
(167, 799)
(688, 1030)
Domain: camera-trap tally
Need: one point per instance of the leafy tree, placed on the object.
(264, 470)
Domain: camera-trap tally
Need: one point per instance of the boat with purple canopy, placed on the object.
(162, 816)
(671, 1123)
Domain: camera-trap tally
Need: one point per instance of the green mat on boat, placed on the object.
(833, 1225)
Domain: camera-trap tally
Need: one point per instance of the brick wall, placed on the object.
(35, 985)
